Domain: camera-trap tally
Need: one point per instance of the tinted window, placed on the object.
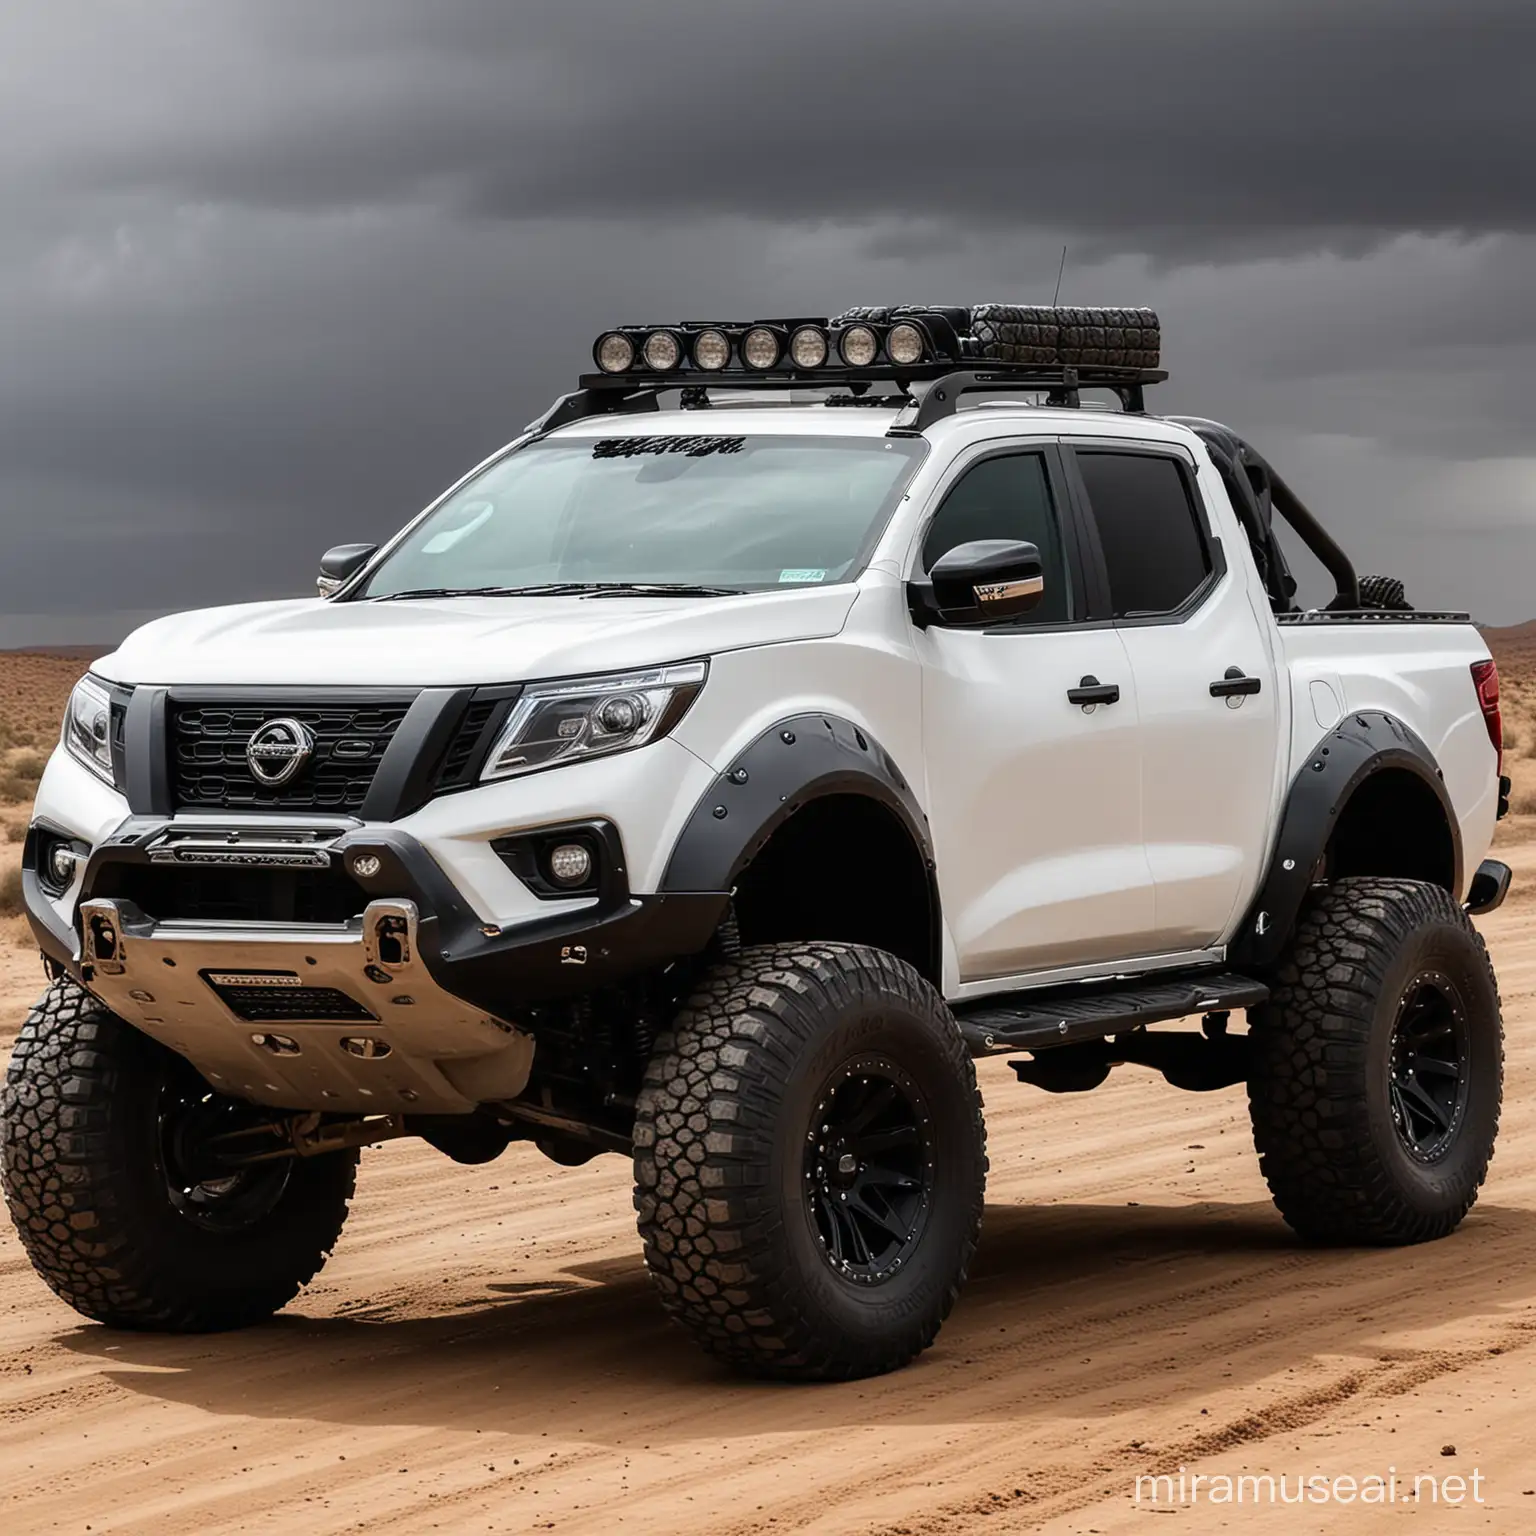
(1006, 498)
(1153, 547)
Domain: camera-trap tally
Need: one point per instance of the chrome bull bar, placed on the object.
(325, 1018)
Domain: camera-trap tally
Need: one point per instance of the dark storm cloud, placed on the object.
(272, 272)
(1183, 123)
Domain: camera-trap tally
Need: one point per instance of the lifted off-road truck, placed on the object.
(710, 785)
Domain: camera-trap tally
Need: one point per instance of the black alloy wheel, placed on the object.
(1429, 1056)
(869, 1169)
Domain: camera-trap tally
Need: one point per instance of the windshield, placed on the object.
(715, 513)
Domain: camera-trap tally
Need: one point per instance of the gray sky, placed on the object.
(273, 272)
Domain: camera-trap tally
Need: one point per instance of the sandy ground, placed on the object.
(483, 1354)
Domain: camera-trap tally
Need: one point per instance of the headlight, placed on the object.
(582, 717)
(88, 727)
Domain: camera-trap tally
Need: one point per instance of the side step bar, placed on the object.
(1034, 1020)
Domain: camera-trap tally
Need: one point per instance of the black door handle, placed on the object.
(1092, 691)
(1235, 684)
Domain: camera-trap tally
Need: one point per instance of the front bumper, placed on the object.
(418, 1004)
(306, 1019)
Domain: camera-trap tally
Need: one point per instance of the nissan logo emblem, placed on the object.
(277, 750)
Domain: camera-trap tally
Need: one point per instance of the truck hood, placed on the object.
(457, 641)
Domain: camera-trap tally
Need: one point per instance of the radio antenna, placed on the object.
(1059, 270)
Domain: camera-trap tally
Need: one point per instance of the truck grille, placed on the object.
(209, 768)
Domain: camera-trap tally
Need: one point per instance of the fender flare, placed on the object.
(793, 763)
(1364, 743)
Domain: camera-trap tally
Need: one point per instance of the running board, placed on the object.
(1033, 1020)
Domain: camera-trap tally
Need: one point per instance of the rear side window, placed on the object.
(1154, 546)
(1008, 497)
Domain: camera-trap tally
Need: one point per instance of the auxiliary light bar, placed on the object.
(889, 341)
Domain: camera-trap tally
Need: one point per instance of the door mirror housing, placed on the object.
(339, 565)
(987, 581)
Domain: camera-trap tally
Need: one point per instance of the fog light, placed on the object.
(569, 864)
(62, 860)
(366, 865)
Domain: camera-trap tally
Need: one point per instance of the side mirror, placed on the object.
(339, 565)
(987, 581)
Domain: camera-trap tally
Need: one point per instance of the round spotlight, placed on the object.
(663, 351)
(615, 353)
(905, 344)
(711, 351)
(61, 865)
(366, 865)
(569, 864)
(808, 347)
(760, 347)
(859, 346)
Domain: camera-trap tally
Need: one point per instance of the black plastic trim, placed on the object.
(403, 780)
(795, 762)
(146, 760)
(54, 936)
(1490, 885)
(526, 854)
(1364, 743)
(617, 936)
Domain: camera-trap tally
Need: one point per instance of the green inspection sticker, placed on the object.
(807, 574)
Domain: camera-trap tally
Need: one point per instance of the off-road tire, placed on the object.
(721, 1134)
(1320, 1089)
(84, 1179)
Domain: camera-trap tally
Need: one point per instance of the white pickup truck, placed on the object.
(710, 785)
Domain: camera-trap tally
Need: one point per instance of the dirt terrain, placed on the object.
(483, 1352)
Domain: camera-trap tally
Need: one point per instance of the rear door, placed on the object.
(1205, 682)
(1035, 799)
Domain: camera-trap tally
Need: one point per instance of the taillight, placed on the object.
(1485, 677)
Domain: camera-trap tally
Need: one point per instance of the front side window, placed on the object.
(1006, 497)
(745, 513)
(1155, 551)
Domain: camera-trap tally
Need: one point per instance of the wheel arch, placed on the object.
(1370, 799)
(808, 820)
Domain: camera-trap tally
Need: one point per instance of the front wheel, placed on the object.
(1377, 1066)
(810, 1162)
(114, 1183)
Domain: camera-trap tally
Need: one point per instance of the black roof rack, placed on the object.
(602, 394)
(931, 354)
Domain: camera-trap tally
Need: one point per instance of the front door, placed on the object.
(1034, 799)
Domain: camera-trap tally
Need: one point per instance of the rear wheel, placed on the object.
(810, 1162)
(1377, 1066)
(114, 1181)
